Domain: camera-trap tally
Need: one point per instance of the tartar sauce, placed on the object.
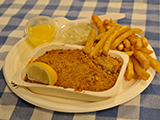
(76, 33)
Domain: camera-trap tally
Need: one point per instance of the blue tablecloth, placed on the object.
(141, 13)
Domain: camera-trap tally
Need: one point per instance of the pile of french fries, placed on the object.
(112, 35)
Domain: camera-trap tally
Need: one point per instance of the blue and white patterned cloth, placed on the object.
(141, 13)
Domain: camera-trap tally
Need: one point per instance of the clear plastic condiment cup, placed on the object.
(40, 30)
(76, 32)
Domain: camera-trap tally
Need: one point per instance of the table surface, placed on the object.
(144, 14)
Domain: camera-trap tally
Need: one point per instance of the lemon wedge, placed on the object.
(41, 72)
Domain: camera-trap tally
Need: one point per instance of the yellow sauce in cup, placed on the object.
(40, 31)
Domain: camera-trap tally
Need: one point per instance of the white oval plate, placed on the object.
(18, 55)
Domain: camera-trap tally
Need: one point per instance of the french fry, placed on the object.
(124, 29)
(101, 42)
(132, 48)
(120, 47)
(129, 53)
(108, 27)
(99, 36)
(142, 73)
(126, 49)
(119, 30)
(142, 59)
(125, 35)
(132, 39)
(125, 38)
(138, 44)
(146, 50)
(84, 41)
(99, 23)
(136, 41)
(90, 41)
(112, 21)
(110, 39)
(144, 41)
(127, 43)
(101, 29)
(135, 76)
(154, 63)
(106, 22)
(129, 73)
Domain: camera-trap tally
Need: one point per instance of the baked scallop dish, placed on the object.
(75, 69)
